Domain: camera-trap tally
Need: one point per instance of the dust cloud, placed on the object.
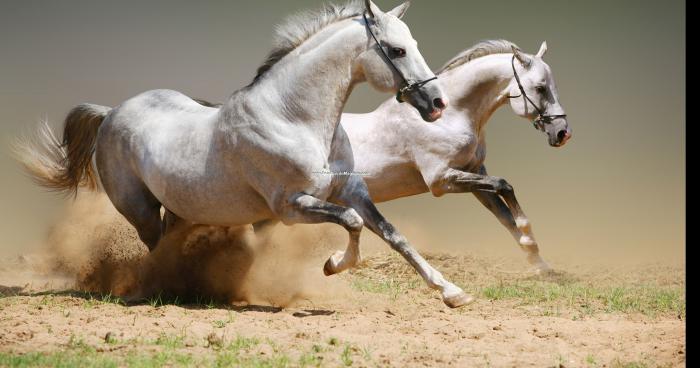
(94, 249)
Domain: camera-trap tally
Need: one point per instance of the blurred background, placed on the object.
(616, 191)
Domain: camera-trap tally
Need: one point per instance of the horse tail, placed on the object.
(64, 166)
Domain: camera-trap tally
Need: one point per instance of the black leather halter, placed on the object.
(542, 119)
(407, 86)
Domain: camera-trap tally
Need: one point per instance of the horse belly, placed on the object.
(223, 203)
(395, 182)
(202, 189)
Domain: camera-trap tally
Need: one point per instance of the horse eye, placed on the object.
(541, 89)
(398, 52)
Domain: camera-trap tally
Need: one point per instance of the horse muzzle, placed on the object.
(562, 137)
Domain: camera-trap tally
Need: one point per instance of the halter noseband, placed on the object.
(542, 119)
(408, 87)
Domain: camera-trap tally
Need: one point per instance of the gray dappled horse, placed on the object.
(269, 153)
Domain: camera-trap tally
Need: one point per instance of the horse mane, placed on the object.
(481, 49)
(298, 28)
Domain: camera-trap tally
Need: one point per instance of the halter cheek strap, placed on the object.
(407, 86)
(542, 119)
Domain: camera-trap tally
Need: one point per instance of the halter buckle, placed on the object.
(402, 91)
(538, 123)
(398, 97)
(412, 87)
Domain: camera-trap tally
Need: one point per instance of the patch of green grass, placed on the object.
(346, 356)
(46, 300)
(227, 359)
(79, 354)
(649, 300)
(243, 343)
(157, 359)
(170, 341)
(310, 360)
(235, 355)
(111, 339)
(156, 301)
(211, 304)
(391, 286)
(645, 362)
(590, 360)
(560, 361)
(76, 342)
(110, 299)
(90, 302)
(221, 323)
(367, 353)
(58, 359)
(317, 348)
(620, 364)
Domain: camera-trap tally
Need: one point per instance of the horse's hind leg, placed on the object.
(515, 215)
(141, 208)
(124, 187)
(520, 228)
(492, 192)
(144, 215)
(170, 220)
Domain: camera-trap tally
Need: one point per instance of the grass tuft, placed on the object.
(649, 300)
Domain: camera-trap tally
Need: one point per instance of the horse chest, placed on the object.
(291, 156)
(469, 158)
(464, 151)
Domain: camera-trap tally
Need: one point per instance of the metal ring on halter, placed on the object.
(408, 87)
(542, 119)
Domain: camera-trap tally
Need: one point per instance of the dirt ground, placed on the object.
(220, 302)
(385, 322)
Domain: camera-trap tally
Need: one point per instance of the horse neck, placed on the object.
(311, 85)
(478, 88)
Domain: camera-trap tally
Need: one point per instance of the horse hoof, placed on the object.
(542, 269)
(458, 300)
(328, 268)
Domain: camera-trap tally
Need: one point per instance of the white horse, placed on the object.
(269, 152)
(403, 156)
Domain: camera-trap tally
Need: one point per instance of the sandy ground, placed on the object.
(214, 298)
(382, 324)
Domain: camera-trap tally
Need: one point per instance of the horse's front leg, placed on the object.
(357, 196)
(499, 197)
(307, 209)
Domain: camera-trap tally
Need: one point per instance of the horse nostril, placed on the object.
(439, 103)
(561, 135)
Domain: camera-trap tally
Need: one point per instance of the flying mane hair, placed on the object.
(482, 48)
(300, 27)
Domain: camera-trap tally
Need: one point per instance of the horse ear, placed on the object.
(400, 10)
(522, 58)
(372, 9)
(543, 49)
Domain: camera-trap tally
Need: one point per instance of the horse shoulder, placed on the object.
(445, 144)
(444, 149)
